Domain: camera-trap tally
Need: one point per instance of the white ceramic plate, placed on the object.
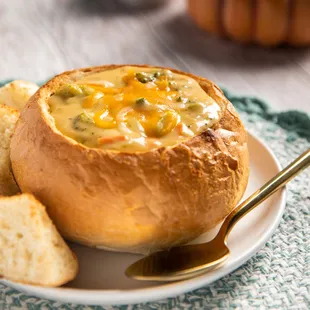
(101, 280)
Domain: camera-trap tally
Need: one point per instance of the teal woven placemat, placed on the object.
(278, 276)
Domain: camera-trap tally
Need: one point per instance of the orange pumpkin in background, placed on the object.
(265, 22)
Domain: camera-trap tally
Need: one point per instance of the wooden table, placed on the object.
(39, 38)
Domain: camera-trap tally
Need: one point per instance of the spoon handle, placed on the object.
(283, 177)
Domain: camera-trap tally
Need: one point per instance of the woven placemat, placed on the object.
(278, 276)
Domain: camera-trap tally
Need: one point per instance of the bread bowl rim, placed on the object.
(45, 114)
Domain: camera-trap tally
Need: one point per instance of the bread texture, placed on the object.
(132, 202)
(13, 98)
(8, 119)
(17, 93)
(31, 249)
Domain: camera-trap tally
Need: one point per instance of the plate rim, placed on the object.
(162, 291)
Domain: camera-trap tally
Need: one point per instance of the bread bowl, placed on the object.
(131, 198)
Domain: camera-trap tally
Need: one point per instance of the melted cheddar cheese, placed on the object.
(132, 109)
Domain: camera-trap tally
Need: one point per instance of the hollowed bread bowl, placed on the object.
(132, 202)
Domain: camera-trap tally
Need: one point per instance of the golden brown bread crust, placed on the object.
(134, 202)
(8, 119)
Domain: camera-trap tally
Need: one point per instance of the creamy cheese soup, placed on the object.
(132, 109)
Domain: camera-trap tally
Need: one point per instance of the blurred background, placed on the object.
(40, 38)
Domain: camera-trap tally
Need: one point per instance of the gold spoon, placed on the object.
(190, 260)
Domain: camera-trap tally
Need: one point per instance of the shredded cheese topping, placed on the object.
(132, 109)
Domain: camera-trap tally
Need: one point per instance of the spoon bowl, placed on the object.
(179, 262)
